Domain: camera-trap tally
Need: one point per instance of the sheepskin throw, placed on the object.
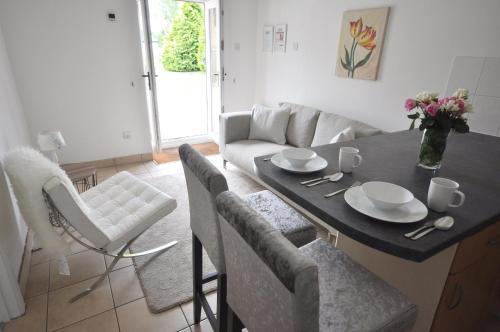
(28, 170)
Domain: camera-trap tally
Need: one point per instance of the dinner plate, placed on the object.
(316, 164)
(411, 212)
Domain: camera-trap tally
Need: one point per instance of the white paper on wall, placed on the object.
(267, 38)
(280, 38)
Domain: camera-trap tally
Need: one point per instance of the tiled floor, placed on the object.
(117, 305)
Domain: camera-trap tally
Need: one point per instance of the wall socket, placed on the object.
(127, 134)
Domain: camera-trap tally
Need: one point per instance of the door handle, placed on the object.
(494, 242)
(458, 293)
(148, 75)
(149, 79)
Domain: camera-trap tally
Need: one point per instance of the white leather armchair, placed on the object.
(110, 215)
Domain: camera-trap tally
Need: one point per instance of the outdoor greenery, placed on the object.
(184, 44)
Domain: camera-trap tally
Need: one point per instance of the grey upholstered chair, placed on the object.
(273, 286)
(204, 183)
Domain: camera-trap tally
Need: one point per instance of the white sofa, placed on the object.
(307, 127)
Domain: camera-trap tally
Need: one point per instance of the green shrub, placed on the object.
(184, 46)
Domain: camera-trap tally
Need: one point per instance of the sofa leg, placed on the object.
(224, 163)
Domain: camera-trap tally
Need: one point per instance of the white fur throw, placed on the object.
(28, 171)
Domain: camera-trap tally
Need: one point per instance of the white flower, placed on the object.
(427, 96)
(461, 94)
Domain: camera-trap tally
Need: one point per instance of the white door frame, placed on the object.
(213, 113)
(149, 74)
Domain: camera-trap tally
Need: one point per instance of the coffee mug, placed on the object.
(349, 158)
(442, 193)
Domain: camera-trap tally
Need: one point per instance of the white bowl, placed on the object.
(298, 157)
(387, 196)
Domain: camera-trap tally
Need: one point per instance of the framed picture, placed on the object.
(280, 38)
(267, 38)
(360, 46)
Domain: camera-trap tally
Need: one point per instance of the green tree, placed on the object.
(183, 44)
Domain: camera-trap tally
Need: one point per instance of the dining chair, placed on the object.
(274, 286)
(204, 182)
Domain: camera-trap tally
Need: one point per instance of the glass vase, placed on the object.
(432, 148)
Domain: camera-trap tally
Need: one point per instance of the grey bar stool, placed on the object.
(273, 286)
(204, 183)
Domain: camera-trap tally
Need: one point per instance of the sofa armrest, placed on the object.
(234, 126)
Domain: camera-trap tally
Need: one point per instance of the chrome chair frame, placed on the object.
(57, 219)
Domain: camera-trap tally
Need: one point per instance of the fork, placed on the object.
(355, 184)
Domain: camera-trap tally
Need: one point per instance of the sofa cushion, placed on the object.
(330, 125)
(301, 125)
(242, 153)
(345, 135)
(269, 124)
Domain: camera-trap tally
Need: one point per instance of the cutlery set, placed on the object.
(442, 224)
(329, 178)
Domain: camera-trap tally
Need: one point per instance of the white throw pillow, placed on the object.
(269, 124)
(345, 135)
(302, 124)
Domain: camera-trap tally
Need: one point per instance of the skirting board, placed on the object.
(136, 158)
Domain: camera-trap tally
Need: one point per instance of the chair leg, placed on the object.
(222, 307)
(102, 277)
(233, 321)
(197, 278)
(224, 163)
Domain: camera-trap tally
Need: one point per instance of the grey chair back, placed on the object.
(271, 286)
(204, 183)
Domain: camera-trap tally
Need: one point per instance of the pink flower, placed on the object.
(432, 109)
(461, 105)
(443, 101)
(410, 104)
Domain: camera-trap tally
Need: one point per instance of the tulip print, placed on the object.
(361, 36)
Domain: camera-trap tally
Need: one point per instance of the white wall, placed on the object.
(239, 26)
(75, 70)
(422, 38)
(13, 132)
(481, 76)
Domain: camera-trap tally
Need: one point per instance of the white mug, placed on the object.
(442, 193)
(349, 158)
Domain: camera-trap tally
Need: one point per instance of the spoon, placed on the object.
(443, 224)
(332, 178)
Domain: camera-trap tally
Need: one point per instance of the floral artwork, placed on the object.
(360, 43)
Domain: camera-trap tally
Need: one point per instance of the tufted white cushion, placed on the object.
(113, 212)
(124, 206)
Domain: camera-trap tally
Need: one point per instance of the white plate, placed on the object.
(315, 165)
(408, 213)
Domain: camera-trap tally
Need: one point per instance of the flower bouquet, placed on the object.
(437, 118)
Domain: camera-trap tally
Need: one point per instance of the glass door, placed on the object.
(182, 69)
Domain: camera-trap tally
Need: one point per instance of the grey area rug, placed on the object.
(166, 279)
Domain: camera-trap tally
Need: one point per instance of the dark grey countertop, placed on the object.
(473, 160)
